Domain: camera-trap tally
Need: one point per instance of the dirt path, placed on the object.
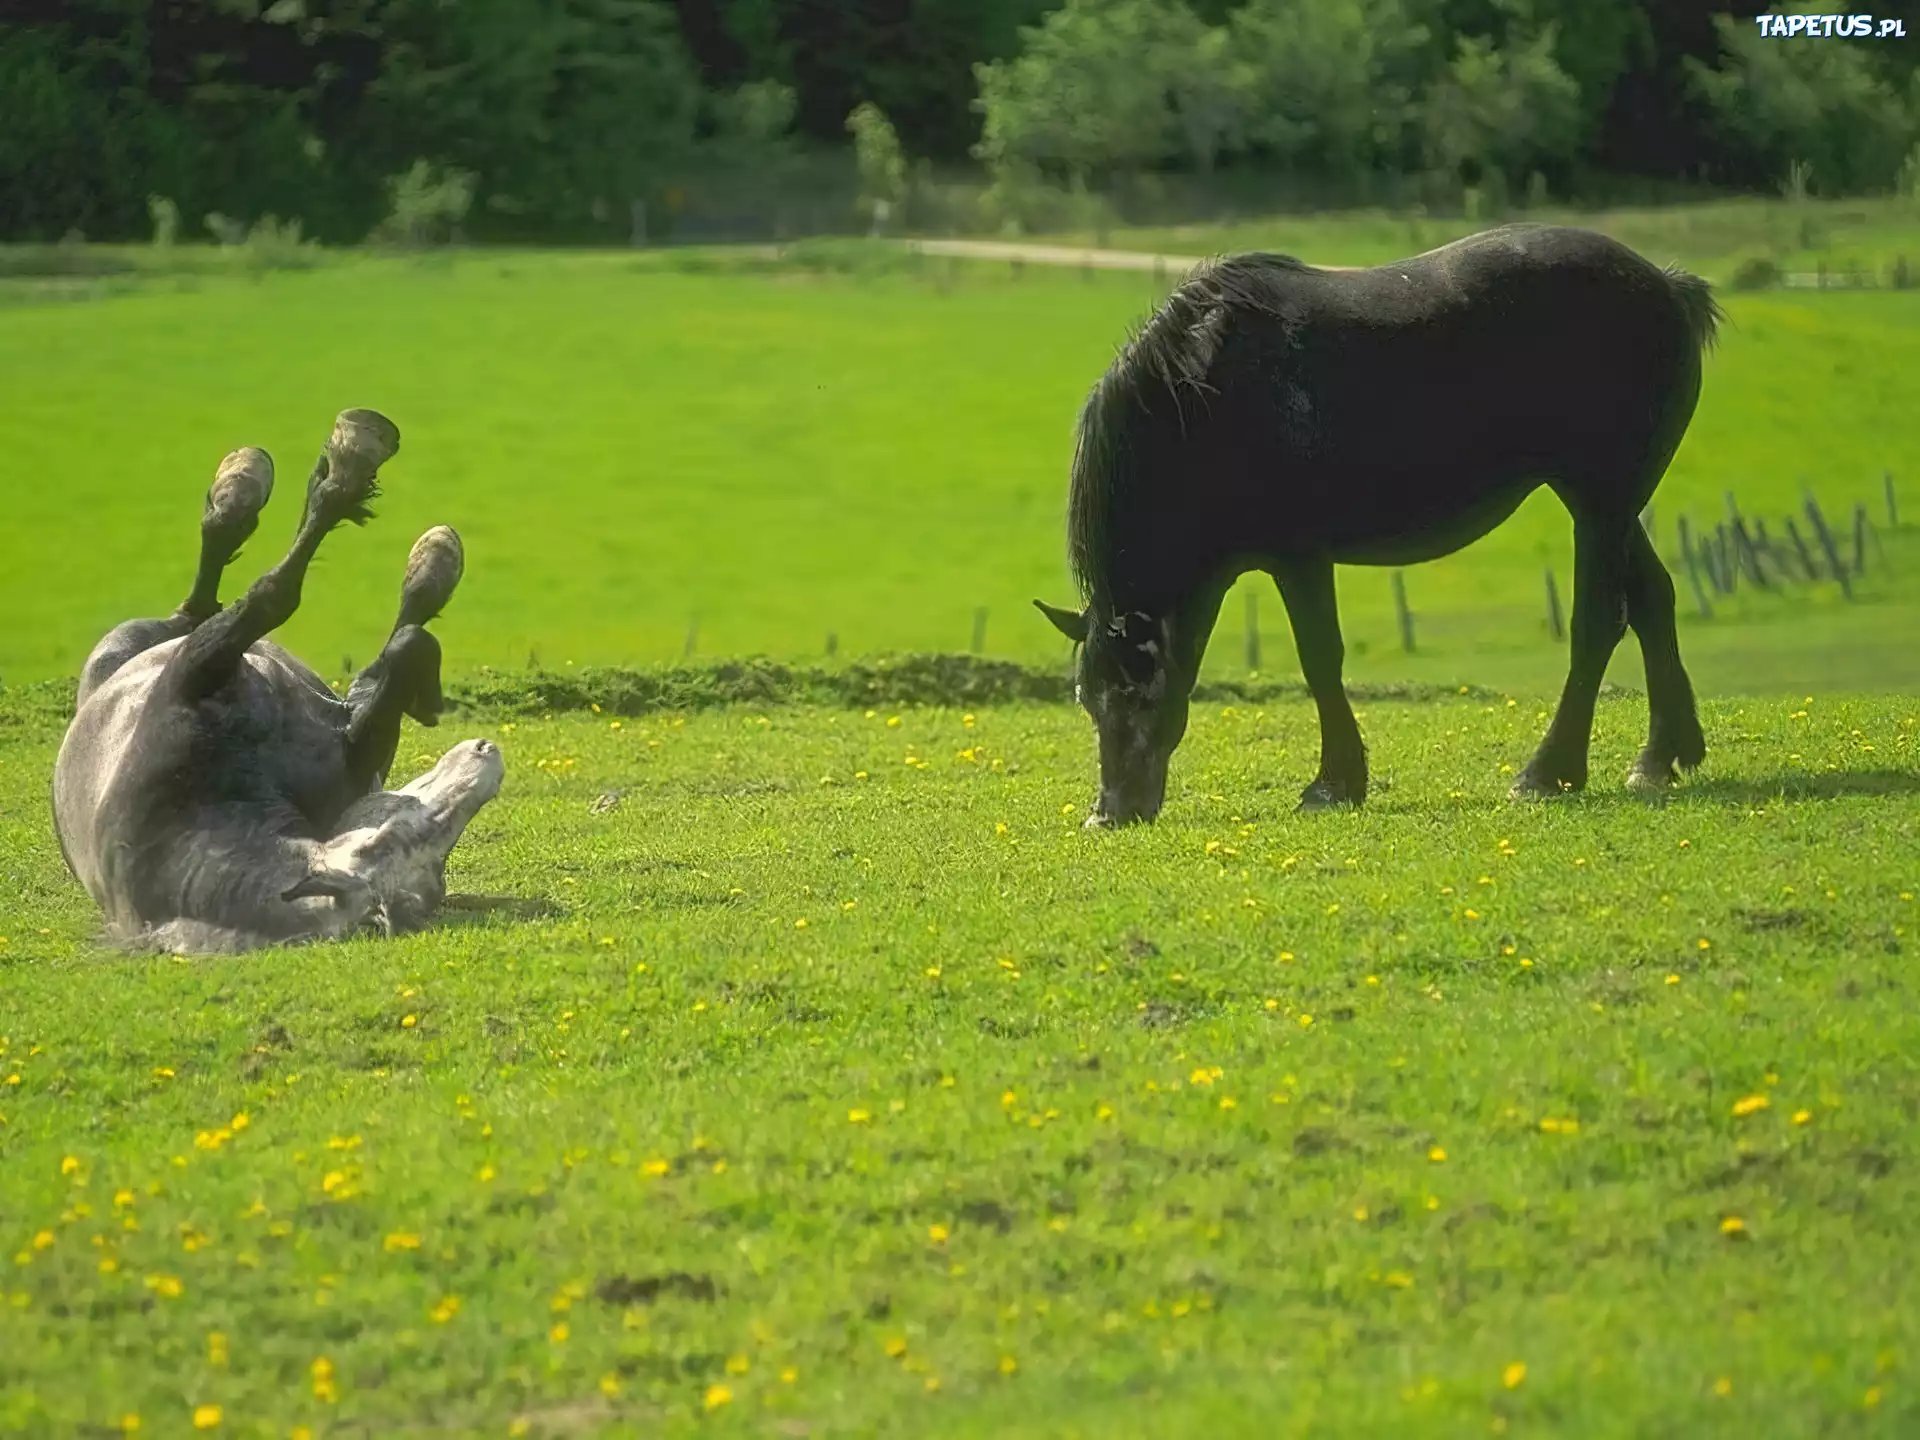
(1055, 255)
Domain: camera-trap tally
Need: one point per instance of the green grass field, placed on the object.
(626, 446)
(833, 1081)
(869, 1090)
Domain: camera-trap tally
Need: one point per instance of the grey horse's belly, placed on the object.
(135, 768)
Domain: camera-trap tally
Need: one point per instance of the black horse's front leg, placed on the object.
(1306, 588)
(1599, 622)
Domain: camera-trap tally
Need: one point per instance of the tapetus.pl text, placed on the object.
(1846, 27)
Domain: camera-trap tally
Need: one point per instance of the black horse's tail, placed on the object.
(1697, 306)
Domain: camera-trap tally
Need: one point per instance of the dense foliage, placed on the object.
(574, 116)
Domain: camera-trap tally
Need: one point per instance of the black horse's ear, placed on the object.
(1070, 623)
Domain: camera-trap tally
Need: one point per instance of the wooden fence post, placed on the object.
(1554, 625)
(833, 644)
(1404, 613)
(1692, 562)
(1749, 554)
(1860, 538)
(1832, 551)
(1253, 631)
(1893, 513)
(980, 630)
(1811, 570)
(693, 636)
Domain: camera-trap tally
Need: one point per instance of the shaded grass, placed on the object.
(636, 454)
(648, 1105)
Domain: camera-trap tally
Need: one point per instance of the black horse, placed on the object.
(1273, 416)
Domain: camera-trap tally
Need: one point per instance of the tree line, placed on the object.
(571, 118)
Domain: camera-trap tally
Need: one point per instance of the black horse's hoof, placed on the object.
(1325, 795)
(1539, 787)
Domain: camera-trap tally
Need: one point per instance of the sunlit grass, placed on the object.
(639, 457)
(844, 1082)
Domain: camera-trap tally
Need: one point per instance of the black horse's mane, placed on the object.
(1173, 349)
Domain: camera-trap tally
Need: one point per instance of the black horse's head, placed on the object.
(1124, 676)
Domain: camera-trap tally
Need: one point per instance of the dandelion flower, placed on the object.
(895, 1347)
(1723, 1387)
(448, 1307)
(717, 1396)
(1514, 1375)
(1801, 1117)
(656, 1168)
(788, 1374)
(858, 1117)
(402, 1240)
(558, 1334)
(1437, 1155)
(937, 1234)
(206, 1417)
(1008, 1365)
(1746, 1105)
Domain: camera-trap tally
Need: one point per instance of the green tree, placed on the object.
(882, 164)
(1326, 85)
(1502, 112)
(1824, 104)
(1110, 85)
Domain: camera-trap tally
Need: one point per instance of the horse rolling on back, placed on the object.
(213, 794)
(1272, 416)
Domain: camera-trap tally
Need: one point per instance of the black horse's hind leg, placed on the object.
(339, 489)
(239, 491)
(1600, 549)
(1306, 588)
(405, 678)
(1673, 722)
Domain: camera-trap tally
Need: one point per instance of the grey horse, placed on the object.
(214, 795)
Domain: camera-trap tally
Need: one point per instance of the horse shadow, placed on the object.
(1713, 791)
(463, 911)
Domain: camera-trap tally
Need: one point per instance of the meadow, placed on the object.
(792, 1063)
(640, 453)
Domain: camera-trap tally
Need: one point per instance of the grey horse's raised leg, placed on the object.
(405, 678)
(342, 484)
(390, 848)
(239, 492)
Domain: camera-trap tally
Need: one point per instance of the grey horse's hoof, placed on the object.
(346, 477)
(367, 436)
(240, 490)
(434, 567)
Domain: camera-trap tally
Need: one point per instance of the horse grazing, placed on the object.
(213, 794)
(1273, 416)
